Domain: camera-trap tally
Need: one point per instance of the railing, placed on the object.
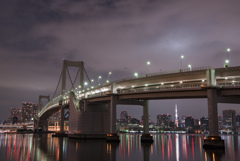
(155, 88)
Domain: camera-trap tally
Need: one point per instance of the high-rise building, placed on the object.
(204, 123)
(123, 117)
(183, 117)
(162, 120)
(16, 115)
(134, 121)
(189, 121)
(34, 110)
(238, 120)
(27, 111)
(229, 118)
(220, 121)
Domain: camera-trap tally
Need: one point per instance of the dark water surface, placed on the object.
(166, 147)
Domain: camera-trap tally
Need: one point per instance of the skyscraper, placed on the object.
(229, 118)
(29, 110)
(123, 117)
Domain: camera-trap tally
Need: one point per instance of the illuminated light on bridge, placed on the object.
(191, 88)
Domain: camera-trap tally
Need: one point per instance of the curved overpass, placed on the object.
(163, 85)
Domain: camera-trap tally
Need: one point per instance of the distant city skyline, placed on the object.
(121, 37)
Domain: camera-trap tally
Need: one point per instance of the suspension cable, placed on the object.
(57, 84)
(76, 76)
(87, 75)
(70, 79)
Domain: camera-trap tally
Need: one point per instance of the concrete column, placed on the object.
(211, 78)
(62, 120)
(212, 112)
(36, 125)
(46, 125)
(146, 137)
(113, 114)
(146, 117)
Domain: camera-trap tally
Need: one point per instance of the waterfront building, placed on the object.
(162, 120)
(16, 115)
(189, 121)
(183, 117)
(238, 120)
(29, 111)
(134, 121)
(229, 118)
(123, 117)
(204, 123)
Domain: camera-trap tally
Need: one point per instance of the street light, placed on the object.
(136, 75)
(99, 77)
(148, 64)
(109, 73)
(124, 71)
(181, 61)
(227, 60)
(190, 67)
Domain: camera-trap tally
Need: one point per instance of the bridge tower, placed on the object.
(44, 123)
(66, 64)
(40, 101)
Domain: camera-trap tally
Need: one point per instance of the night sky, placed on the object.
(112, 35)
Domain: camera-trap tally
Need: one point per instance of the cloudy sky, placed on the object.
(112, 35)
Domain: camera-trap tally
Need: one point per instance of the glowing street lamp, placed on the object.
(181, 61)
(227, 60)
(148, 64)
(136, 75)
(99, 77)
(190, 67)
(124, 71)
(109, 73)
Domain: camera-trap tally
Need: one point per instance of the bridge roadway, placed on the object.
(220, 85)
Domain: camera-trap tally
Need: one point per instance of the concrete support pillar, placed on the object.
(146, 118)
(113, 114)
(211, 78)
(212, 112)
(213, 140)
(112, 136)
(36, 125)
(146, 137)
(62, 120)
(46, 126)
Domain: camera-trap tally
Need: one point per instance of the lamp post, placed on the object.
(136, 75)
(124, 71)
(109, 73)
(227, 60)
(148, 64)
(99, 77)
(181, 62)
(190, 67)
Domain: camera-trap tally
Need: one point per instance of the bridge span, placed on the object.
(93, 111)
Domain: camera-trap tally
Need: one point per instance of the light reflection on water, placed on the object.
(166, 147)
